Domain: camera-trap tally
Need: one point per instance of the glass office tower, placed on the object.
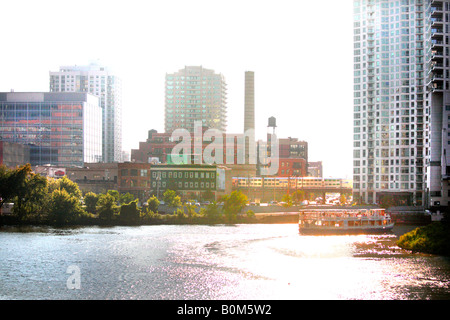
(400, 93)
(62, 129)
(101, 82)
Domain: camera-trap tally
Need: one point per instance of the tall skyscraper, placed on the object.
(195, 94)
(61, 129)
(401, 101)
(101, 82)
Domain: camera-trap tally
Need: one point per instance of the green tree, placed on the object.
(115, 194)
(298, 196)
(8, 183)
(130, 212)
(153, 204)
(191, 210)
(27, 191)
(12, 182)
(106, 206)
(171, 198)
(342, 199)
(64, 207)
(233, 204)
(90, 200)
(35, 202)
(288, 201)
(126, 198)
(212, 212)
(70, 186)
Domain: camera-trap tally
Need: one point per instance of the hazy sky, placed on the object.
(301, 53)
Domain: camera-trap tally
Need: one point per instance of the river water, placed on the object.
(268, 261)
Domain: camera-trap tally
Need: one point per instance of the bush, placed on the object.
(153, 204)
(106, 206)
(171, 198)
(64, 207)
(250, 214)
(433, 238)
(130, 212)
(150, 216)
(90, 200)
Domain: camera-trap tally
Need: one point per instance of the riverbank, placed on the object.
(433, 238)
(156, 219)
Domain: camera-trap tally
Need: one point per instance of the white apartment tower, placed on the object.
(401, 101)
(101, 82)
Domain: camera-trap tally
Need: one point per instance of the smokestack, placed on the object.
(249, 112)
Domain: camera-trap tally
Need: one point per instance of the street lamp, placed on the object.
(158, 182)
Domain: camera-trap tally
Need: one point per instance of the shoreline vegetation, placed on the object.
(433, 238)
(59, 202)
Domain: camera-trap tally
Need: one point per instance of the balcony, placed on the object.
(435, 67)
(437, 54)
(436, 88)
(437, 21)
(437, 32)
(435, 43)
(436, 10)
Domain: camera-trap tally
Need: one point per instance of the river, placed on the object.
(252, 261)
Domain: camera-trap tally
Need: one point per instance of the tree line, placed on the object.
(44, 200)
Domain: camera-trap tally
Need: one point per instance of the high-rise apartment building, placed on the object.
(401, 97)
(101, 82)
(195, 94)
(59, 128)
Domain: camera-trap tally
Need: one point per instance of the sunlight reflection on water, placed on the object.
(215, 262)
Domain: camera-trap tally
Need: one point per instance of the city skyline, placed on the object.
(303, 69)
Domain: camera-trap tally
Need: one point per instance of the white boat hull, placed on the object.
(321, 230)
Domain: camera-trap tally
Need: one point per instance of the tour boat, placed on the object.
(342, 221)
